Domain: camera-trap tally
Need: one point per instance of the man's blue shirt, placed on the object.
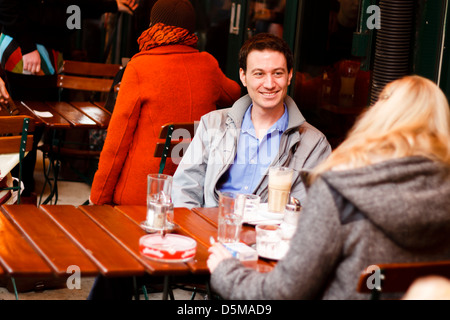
(253, 156)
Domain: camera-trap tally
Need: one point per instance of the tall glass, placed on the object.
(231, 214)
(159, 201)
(280, 182)
(251, 208)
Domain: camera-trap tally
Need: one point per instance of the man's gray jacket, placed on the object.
(213, 150)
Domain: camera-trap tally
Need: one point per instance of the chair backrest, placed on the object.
(87, 76)
(16, 136)
(11, 130)
(397, 277)
(177, 137)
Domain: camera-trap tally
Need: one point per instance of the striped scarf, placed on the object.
(162, 35)
(11, 57)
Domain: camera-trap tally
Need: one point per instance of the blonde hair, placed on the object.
(411, 118)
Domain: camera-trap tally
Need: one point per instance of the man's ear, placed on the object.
(242, 77)
(290, 76)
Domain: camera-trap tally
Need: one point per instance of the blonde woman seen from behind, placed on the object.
(381, 197)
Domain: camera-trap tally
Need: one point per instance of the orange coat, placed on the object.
(175, 83)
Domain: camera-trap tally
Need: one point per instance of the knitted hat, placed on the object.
(178, 13)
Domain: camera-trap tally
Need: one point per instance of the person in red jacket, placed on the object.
(169, 80)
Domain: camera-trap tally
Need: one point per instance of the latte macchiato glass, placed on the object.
(280, 182)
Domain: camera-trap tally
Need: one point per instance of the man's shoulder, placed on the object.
(216, 114)
(215, 117)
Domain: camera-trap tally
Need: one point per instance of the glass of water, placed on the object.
(231, 214)
(159, 203)
(251, 208)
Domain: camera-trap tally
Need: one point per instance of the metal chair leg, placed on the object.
(15, 288)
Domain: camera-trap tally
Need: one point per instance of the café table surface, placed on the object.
(45, 241)
(57, 117)
(62, 114)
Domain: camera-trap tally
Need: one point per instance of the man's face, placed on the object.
(267, 78)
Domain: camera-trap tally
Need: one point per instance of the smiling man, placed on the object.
(233, 148)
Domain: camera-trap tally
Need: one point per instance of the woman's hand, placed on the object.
(127, 6)
(4, 95)
(218, 253)
(32, 62)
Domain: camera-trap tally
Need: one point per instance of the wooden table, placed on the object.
(63, 115)
(45, 241)
(57, 117)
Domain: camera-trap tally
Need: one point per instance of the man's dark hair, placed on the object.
(265, 41)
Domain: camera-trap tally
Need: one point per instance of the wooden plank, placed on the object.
(14, 124)
(17, 257)
(186, 129)
(24, 111)
(128, 233)
(12, 144)
(96, 113)
(49, 240)
(209, 214)
(176, 149)
(198, 264)
(73, 115)
(46, 114)
(84, 83)
(191, 224)
(100, 103)
(109, 256)
(91, 68)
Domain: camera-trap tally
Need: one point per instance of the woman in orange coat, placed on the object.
(169, 80)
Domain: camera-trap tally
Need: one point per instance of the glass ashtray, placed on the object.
(170, 248)
(168, 228)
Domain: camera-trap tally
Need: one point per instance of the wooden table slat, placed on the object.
(192, 224)
(73, 115)
(49, 240)
(209, 214)
(95, 112)
(128, 233)
(198, 264)
(23, 111)
(109, 256)
(17, 257)
(55, 121)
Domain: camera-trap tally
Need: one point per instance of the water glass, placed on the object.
(269, 241)
(251, 207)
(159, 201)
(231, 214)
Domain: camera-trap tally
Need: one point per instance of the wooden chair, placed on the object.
(83, 77)
(177, 137)
(397, 277)
(88, 76)
(16, 136)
